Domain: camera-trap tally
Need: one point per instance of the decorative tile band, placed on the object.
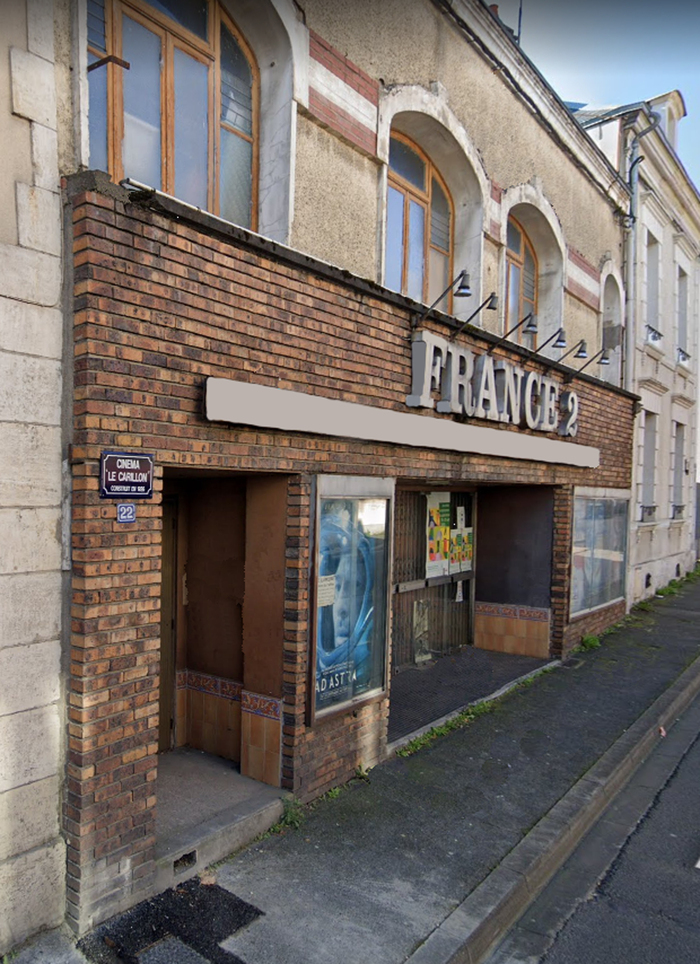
(512, 612)
(231, 690)
(266, 706)
(536, 615)
(205, 683)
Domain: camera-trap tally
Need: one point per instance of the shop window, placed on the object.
(351, 595)
(419, 225)
(599, 552)
(173, 102)
(521, 282)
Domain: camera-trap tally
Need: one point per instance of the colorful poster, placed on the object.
(461, 550)
(467, 555)
(456, 550)
(438, 535)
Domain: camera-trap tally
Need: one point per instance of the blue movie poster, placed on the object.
(351, 599)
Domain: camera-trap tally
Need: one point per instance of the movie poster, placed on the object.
(350, 599)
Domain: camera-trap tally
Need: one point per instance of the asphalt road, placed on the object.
(631, 891)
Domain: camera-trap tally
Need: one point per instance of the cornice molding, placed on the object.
(652, 385)
(685, 401)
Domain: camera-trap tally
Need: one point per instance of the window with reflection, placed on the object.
(173, 102)
(521, 282)
(419, 225)
(599, 552)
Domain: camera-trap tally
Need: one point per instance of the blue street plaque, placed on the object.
(126, 512)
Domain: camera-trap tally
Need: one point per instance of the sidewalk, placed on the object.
(434, 857)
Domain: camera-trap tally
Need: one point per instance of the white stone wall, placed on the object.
(663, 546)
(32, 856)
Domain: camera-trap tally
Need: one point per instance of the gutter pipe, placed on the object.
(635, 159)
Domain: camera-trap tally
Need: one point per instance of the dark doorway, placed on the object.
(168, 633)
(204, 538)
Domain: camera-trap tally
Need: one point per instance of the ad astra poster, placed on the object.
(349, 599)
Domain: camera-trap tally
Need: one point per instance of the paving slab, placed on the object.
(422, 694)
(51, 947)
(170, 951)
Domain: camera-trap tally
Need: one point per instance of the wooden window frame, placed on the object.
(424, 198)
(173, 35)
(224, 19)
(524, 305)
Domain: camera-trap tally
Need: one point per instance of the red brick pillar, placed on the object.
(297, 626)
(112, 697)
(561, 565)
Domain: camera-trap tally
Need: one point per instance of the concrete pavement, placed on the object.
(435, 856)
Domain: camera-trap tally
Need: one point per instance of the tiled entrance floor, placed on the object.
(421, 695)
(206, 810)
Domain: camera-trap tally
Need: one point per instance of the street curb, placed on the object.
(475, 927)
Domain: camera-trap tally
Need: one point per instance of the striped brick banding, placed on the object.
(583, 280)
(341, 96)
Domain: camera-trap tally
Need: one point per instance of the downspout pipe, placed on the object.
(635, 159)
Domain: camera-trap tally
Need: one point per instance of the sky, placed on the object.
(609, 52)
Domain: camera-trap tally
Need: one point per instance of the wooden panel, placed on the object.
(215, 577)
(265, 564)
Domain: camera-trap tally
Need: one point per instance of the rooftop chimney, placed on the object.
(493, 7)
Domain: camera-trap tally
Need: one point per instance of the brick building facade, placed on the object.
(346, 484)
(166, 299)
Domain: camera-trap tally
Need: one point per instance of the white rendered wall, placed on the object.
(664, 546)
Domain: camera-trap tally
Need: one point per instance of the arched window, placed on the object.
(419, 224)
(173, 102)
(521, 282)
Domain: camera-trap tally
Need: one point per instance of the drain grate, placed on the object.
(185, 862)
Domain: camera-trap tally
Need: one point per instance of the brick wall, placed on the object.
(593, 623)
(161, 302)
(113, 701)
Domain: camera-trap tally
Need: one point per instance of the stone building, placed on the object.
(660, 348)
(318, 426)
(32, 851)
